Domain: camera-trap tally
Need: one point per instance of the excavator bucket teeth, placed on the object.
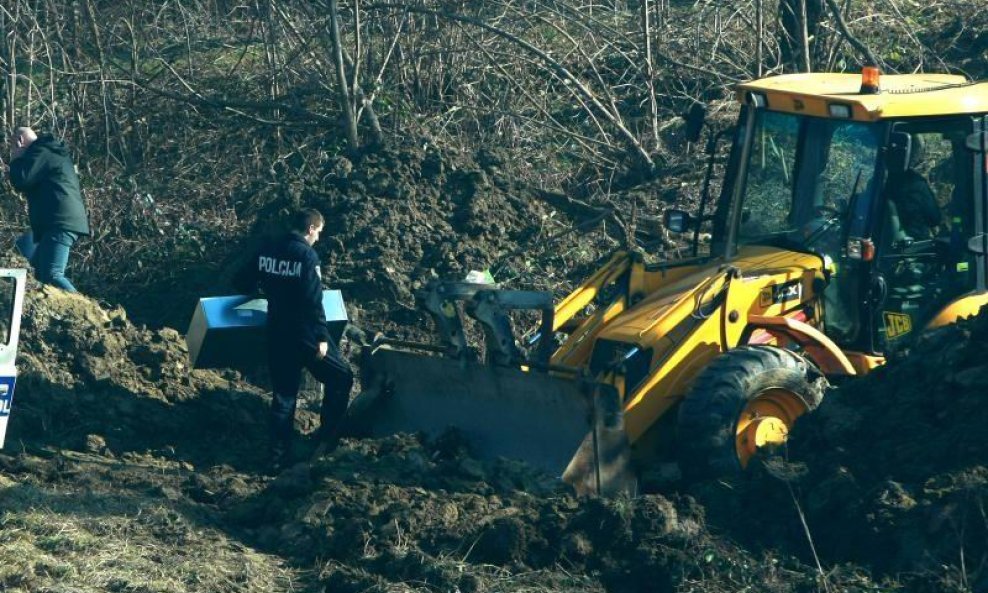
(569, 428)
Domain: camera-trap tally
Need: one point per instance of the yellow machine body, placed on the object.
(667, 320)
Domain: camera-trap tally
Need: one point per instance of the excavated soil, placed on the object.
(124, 471)
(400, 217)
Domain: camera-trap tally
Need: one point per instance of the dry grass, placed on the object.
(55, 541)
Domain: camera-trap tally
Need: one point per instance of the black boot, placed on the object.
(327, 441)
(278, 459)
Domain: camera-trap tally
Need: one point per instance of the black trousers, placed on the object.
(286, 359)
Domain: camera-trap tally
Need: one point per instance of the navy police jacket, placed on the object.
(287, 270)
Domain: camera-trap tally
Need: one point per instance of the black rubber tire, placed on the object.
(709, 415)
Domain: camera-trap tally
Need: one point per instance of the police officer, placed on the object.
(287, 270)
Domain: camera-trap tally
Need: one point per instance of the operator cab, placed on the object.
(888, 200)
(929, 215)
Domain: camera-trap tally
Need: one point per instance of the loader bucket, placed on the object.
(567, 427)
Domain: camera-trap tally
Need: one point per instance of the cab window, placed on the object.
(810, 184)
(802, 173)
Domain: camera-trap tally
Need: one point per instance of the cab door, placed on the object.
(929, 213)
(11, 303)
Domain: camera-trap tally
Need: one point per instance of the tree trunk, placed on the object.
(653, 106)
(343, 93)
(799, 22)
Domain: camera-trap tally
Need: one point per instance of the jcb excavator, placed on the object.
(853, 214)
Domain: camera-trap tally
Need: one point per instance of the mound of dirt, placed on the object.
(118, 459)
(411, 215)
(91, 380)
(408, 214)
(379, 514)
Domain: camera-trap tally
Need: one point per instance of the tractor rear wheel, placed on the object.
(748, 399)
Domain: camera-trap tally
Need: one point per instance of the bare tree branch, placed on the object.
(856, 43)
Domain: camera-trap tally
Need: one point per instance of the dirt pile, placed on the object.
(406, 217)
(90, 379)
(379, 515)
(904, 459)
(118, 458)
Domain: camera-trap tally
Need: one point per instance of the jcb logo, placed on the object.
(781, 293)
(897, 324)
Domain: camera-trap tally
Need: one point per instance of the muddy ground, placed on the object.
(124, 471)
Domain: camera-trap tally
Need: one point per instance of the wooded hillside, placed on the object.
(188, 119)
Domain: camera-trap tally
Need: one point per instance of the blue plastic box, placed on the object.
(228, 331)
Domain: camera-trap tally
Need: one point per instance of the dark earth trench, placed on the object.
(125, 470)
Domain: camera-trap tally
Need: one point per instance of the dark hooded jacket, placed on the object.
(45, 174)
(919, 212)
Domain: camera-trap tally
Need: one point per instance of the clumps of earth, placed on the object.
(126, 471)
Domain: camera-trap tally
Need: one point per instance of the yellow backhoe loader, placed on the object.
(852, 215)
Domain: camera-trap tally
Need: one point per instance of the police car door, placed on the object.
(11, 303)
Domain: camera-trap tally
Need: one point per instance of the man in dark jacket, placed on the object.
(41, 168)
(917, 207)
(287, 270)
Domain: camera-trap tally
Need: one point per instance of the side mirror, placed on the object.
(694, 121)
(899, 150)
(978, 244)
(677, 221)
(977, 142)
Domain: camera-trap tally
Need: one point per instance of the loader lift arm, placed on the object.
(490, 307)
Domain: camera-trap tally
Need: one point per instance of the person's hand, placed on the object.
(902, 242)
(323, 350)
(356, 334)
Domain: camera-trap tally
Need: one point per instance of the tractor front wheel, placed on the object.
(747, 400)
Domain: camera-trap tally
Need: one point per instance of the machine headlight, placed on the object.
(839, 110)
